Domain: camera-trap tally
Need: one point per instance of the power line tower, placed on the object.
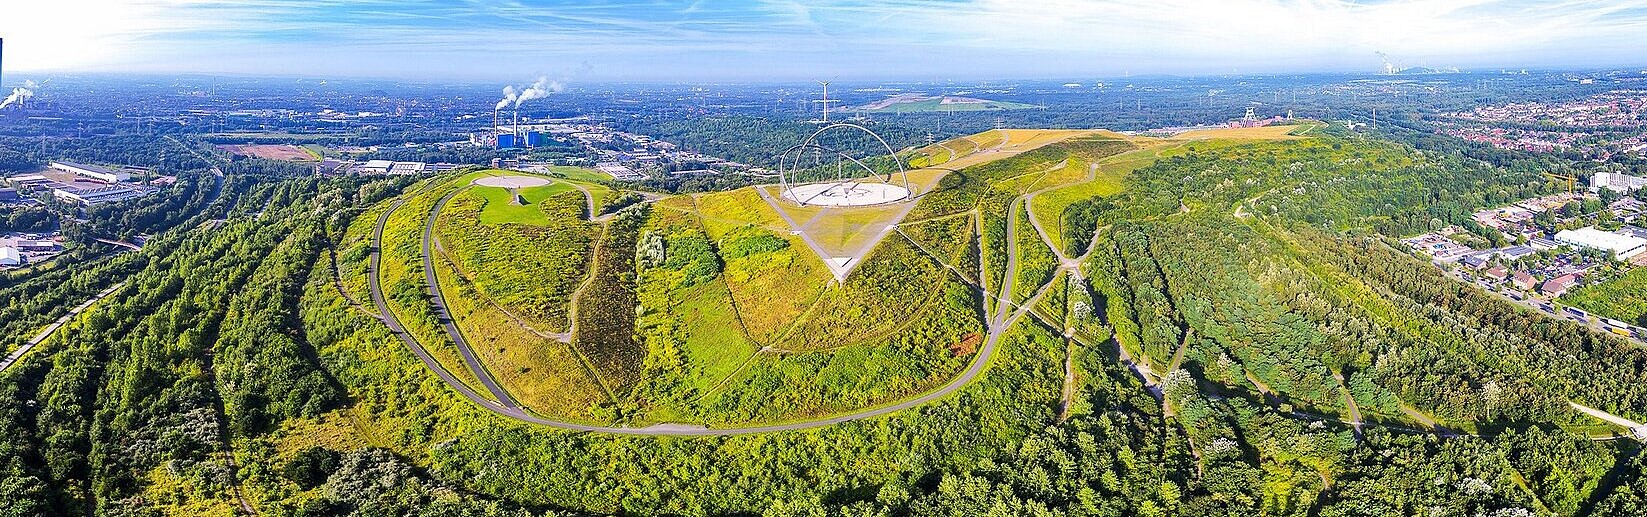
(825, 102)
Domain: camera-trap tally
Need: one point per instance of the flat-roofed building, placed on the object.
(95, 172)
(96, 196)
(1622, 246)
(1616, 182)
(10, 257)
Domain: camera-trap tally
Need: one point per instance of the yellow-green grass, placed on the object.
(500, 206)
(1036, 262)
(531, 270)
(583, 174)
(693, 334)
(949, 238)
(168, 493)
(1243, 133)
(929, 156)
(879, 367)
(333, 430)
(1107, 180)
(773, 289)
(722, 212)
(987, 140)
(354, 253)
(401, 271)
(844, 231)
(540, 373)
(770, 289)
(875, 300)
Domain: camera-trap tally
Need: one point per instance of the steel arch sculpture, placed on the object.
(789, 162)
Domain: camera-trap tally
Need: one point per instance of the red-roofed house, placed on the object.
(1558, 286)
(1522, 280)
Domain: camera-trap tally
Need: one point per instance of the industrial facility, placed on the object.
(1623, 246)
(103, 174)
(1621, 183)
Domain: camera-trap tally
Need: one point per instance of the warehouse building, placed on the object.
(1616, 182)
(102, 174)
(1622, 246)
(10, 257)
(96, 196)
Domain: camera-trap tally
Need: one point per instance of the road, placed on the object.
(998, 325)
(445, 316)
(47, 332)
(122, 244)
(1349, 402)
(1532, 302)
(1637, 430)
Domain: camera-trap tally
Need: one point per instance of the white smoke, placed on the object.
(509, 97)
(17, 95)
(540, 89)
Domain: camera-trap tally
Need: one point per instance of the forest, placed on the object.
(1244, 340)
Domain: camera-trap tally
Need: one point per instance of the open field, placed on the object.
(286, 152)
(1280, 132)
(500, 207)
(584, 174)
(723, 211)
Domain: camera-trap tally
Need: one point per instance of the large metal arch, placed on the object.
(786, 168)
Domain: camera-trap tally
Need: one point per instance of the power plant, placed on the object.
(18, 94)
(512, 137)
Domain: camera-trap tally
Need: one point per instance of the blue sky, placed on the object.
(742, 40)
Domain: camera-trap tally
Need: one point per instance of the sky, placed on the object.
(781, 40)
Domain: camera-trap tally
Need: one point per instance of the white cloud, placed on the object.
(964, 37)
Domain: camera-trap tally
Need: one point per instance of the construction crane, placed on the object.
(1572, 181)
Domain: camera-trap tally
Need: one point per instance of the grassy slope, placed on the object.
(532, 269)
(403, 283)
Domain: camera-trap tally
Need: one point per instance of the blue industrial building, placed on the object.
(537, 138)
(508, 141)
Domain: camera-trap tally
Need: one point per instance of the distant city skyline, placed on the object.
(780, 40)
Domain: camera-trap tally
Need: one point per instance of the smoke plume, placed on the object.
(509, 97)
(17, 95)
(540, 89)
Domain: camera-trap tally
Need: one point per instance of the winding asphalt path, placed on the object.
(508, 409)
(445, 316)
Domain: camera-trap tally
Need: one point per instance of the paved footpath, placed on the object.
(52, 328)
